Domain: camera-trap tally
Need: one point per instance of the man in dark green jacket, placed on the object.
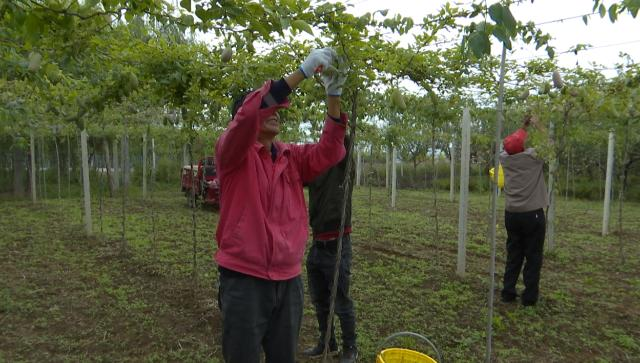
(326, 197)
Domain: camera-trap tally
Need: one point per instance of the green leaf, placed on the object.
(613, 12)
(550, 52)
(107, 4)
(302, 25)
(260, 28)
(585, 19)
(479, 43)
(509, 21)
(397, 100)
(409, 22)
(384, 12)
(502, 16)
(32, 27)
(256, 9)
(602, 10)
(481, 26)
(186, 4)
(52, 72)
(495, 12)
(285, 23)
(202, 14)
(91, 3)
(500, 33)
(187, 19)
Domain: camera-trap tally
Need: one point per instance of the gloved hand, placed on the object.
(335, 76)
(317, 61)
(333, 81)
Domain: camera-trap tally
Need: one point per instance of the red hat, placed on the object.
(514, 143)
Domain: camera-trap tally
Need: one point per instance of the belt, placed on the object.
(329, 244)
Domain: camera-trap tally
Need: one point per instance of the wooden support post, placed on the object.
(85, 182)
(464, 191)
(394, 178)
(607, 186)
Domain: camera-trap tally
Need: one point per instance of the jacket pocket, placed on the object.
(234, 234)
(292, 194)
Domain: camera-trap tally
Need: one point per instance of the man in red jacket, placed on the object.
(262, 229)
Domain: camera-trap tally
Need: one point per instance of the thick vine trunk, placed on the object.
(551, 212)
(107, 159)
(43, 173)
(452, 172)
(32, 175)
(18, 161)
(68, 167)
(55, 141)
(126, 166)
(144, 166)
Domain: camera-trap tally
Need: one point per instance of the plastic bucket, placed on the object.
(401, 355)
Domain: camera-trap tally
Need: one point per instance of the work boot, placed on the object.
(506, 297)
(349, 354)
(318, 349)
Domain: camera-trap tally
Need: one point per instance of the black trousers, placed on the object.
(321, 262)
(259, 315)
(525, 241)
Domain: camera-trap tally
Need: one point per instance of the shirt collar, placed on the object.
(282, 147)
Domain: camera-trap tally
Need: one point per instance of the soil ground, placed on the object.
(152, 296)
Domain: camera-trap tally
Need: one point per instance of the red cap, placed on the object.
(514, 143)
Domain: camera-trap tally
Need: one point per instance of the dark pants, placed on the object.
(259, 314)
(321, 263)
(525, 240)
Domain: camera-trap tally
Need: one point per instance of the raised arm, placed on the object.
(535, 121)
(242, 132)
(314, 159)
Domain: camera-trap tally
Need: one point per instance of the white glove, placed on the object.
(317, 61)
(335, 76)
(333, 82)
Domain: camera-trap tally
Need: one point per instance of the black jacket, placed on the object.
(326, 194)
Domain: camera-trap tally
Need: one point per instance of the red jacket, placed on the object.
(262, 229)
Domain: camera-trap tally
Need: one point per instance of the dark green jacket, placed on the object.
(326, 195)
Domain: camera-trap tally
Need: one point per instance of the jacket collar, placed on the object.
(282, 147)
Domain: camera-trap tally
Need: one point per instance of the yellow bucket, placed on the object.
(400, 355)
(500, 176)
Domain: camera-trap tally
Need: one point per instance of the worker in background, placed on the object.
(525, 200)
(326, 200)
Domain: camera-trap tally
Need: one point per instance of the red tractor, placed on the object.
(205, 185)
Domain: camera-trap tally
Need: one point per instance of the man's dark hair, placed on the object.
(237, 103)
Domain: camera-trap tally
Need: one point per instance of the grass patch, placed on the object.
(152, 297)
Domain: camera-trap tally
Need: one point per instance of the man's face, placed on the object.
(271, 126)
